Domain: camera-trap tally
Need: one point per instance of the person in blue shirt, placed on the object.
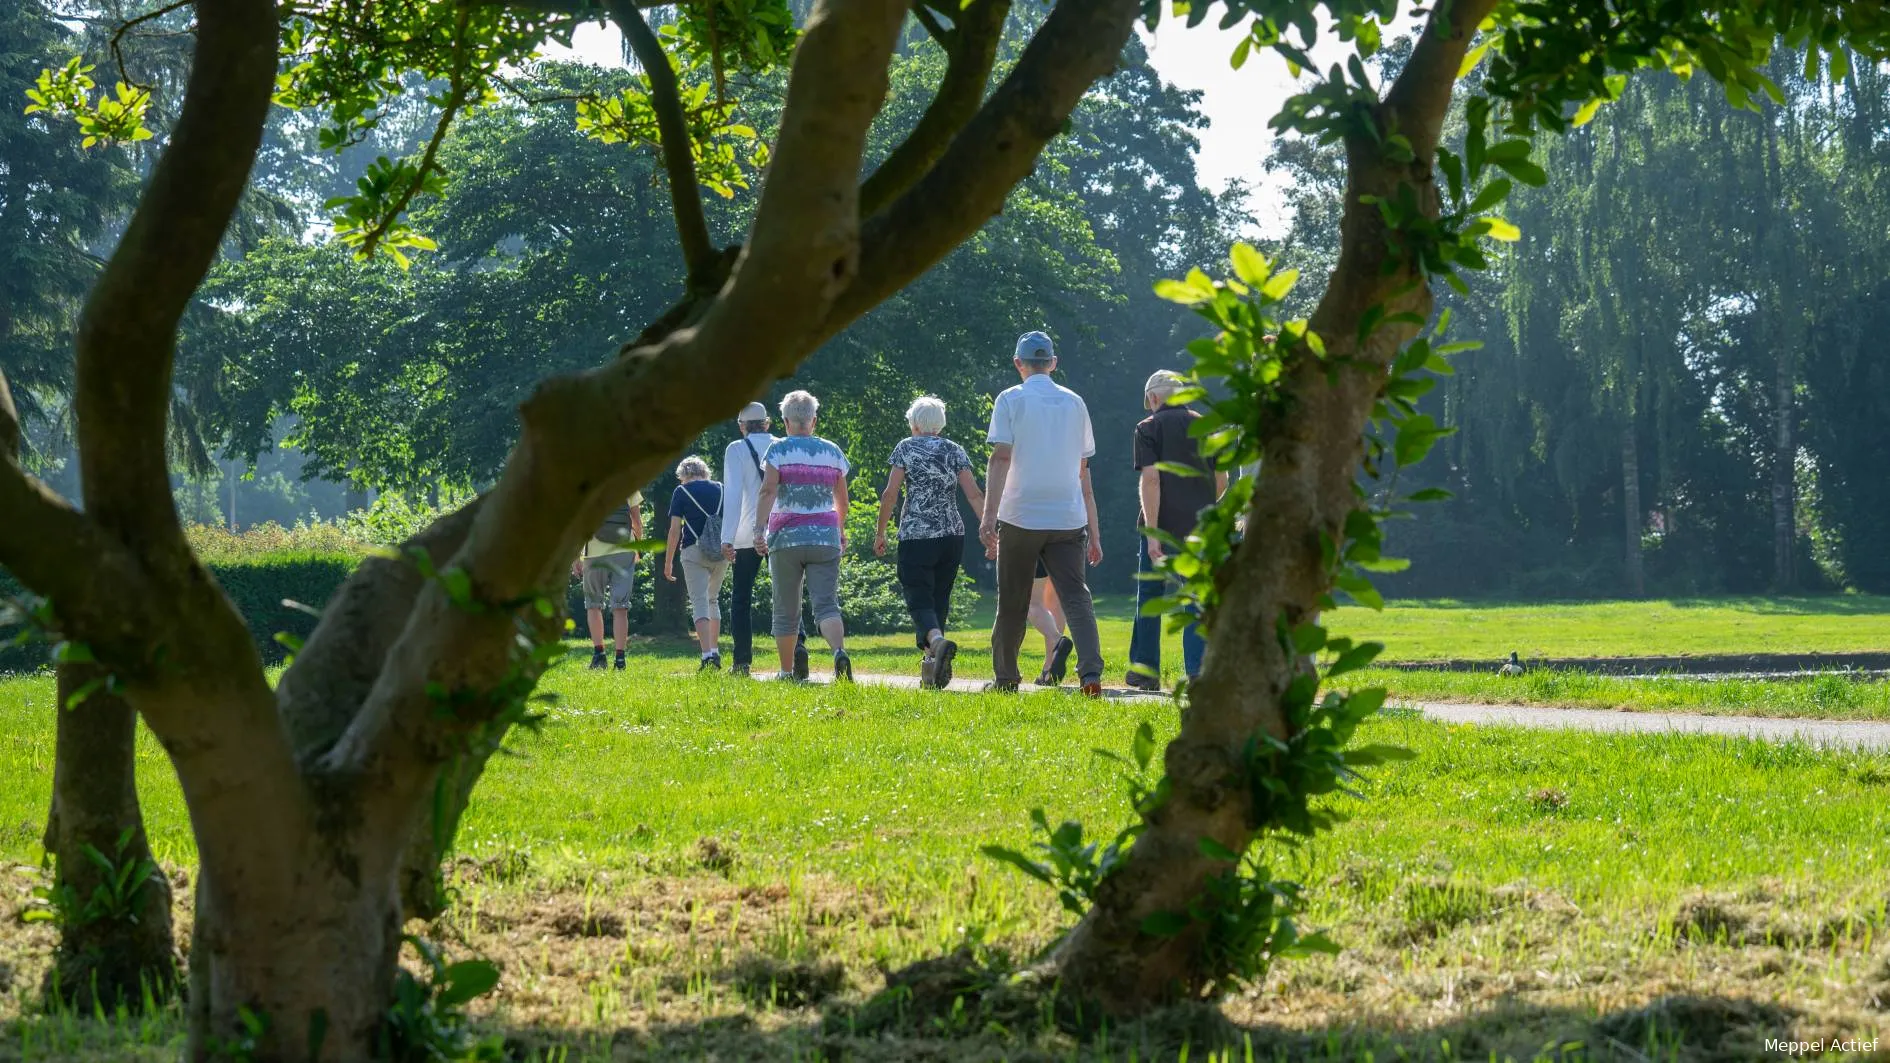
(695, 513)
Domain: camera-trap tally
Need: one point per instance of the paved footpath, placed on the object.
(1849, 734)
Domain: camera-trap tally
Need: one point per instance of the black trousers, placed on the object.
(741, 607)
(928, 568)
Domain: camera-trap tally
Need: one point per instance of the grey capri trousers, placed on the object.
(816, 566)
(704, 581)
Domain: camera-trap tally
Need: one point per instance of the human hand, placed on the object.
(761, 545)
(728, 552)
(1154, 549)
(669, 572)
(987, 533)
(577, 569)
(1095, 553)
(879, 545)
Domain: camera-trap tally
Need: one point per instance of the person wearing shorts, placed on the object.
(697, 504)
(608, 568)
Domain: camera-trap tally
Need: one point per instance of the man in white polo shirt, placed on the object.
(1038, 506)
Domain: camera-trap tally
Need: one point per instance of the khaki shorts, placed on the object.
(610, 581)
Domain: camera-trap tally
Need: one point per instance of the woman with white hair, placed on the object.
(800, 527)
(695, 534)
(932, 470)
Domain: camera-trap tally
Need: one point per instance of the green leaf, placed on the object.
(1249, 265)
(1355, 658)
(1178, 292)
(1525, 171)
(1586, 112)
(1019, 861)
(1142, 746)
(1502, 229)
(466, 981)
(1175, 468)
(1214, 850)
(1492, 194)
(1276, 288)
(1430, 494)
(1474, 56)
(1373, 755)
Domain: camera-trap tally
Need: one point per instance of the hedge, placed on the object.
(259, 583)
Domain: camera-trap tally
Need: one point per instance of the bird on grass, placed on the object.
(1511, 667)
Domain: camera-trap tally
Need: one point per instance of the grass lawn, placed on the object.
(686, 867)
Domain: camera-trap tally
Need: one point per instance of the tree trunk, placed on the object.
(302, 974)
(1633, 572)
(115, 939)
(1784, 477)
(670, 600)
(1278, 577)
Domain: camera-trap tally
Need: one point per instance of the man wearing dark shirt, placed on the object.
(1171, 503)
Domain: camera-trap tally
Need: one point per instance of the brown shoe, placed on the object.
(1092, 690)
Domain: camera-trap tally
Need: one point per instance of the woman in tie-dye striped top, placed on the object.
(800, 527)
(805, 513)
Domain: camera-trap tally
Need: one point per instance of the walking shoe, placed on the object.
(787, 677)
(800, 660)
(740, 669)
(704, 664)
(942, 670)
(1058, 665)
(1138, 681)
(842, 666)
(715, 659)
(598, 660)
(927, 673)
(997, 687)
(620, 662)
(1092, 689)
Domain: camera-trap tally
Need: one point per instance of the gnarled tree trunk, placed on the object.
(115, 944)
(1278, 574)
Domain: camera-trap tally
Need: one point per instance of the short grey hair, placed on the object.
(927, 414)
(1163, 384)
(799, 407)
(692, 468)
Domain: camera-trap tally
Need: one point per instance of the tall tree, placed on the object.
(304, 798)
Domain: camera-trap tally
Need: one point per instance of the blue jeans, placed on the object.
(1145, 642)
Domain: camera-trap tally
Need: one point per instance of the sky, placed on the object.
(1238, 103)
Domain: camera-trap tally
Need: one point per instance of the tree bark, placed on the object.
(115, 941)
(1278, 574)
(1633, 573)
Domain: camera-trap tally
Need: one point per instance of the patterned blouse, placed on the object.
(804, 513)
(932, 466)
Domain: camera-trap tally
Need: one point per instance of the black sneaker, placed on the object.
(740, 669)
(715, 659)
(996, 687)
(1058, 665)
(842, 667)
(620, 664)
(1139, 681)
(928, 673)
(942, 665)
(598, 660)
(800, 660)
(704, 665)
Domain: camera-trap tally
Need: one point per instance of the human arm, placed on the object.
(636, 523)
(734, 489)
(1220, 483)
(1151, 491)
(1095, 525)
(840, 507)
(669, 555)
(887, 499)
(764, 505)
(969, 484)
(995, 475)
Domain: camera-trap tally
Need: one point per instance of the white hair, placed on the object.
(692, 468)
(927, 415)
(799, 408)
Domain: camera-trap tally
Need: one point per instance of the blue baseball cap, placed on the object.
(1035, 347)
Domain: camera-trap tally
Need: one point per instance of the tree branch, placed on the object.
(679, 156)
(971, 50)
(1419, 99)
(559, 481)
(1079, 43)
(128, 330)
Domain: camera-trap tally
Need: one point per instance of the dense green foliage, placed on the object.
(1690, 280)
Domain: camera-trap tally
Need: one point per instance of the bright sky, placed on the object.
(1238, 103)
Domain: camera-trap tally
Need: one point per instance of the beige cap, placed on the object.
(754, 411)
(1163, 380)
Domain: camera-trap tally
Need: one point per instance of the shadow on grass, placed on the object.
(1680, 1029)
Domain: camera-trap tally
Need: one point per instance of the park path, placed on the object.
(1843, 734)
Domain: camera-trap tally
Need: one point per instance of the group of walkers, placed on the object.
(783, 501)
